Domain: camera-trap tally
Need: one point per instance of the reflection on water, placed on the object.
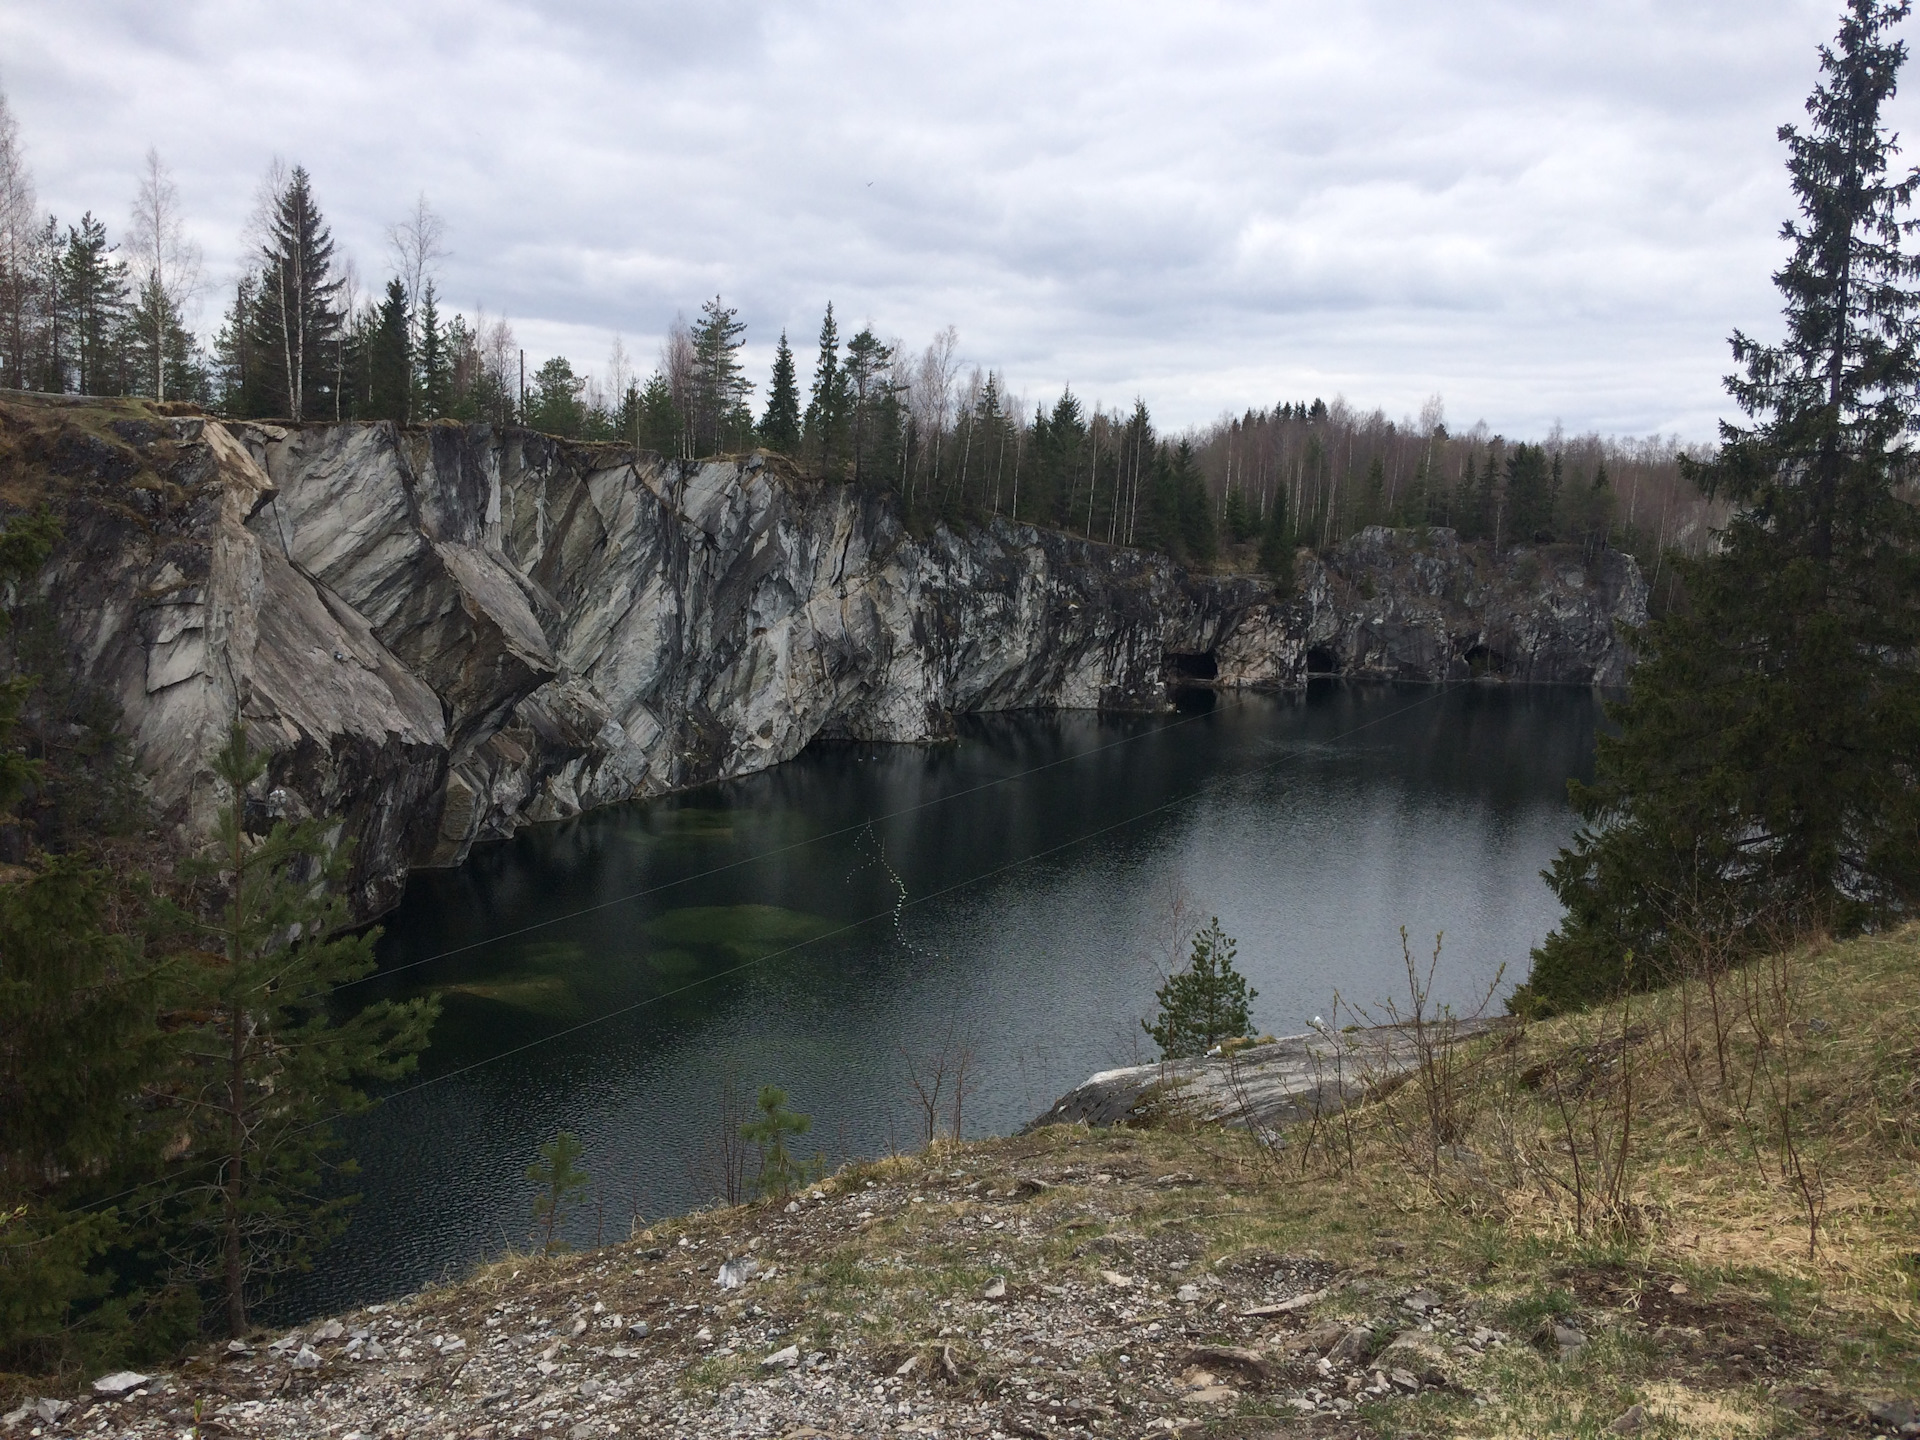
(807, 926)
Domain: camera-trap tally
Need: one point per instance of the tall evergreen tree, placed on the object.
(1763, 765)
(93, 301)
(270, 1068)
(433, 379)
(554, 406)
(659, 422)
(780, 426)
(296, 322)
(389, 365)
(826, 416)
(720, 384)
(868, 388)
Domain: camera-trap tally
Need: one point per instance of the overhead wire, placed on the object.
(894, 910)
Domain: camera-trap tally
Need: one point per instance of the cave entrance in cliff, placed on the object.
(1322, 661)
(1483, 660)
(1191, 668)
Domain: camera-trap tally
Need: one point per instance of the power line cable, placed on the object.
(892, 911)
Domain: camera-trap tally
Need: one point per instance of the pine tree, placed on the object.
(1276, 544)
(659, 419)
(554, 406)
(178, 369)
(79, 1041)
(1199, 541)
(1761, 776)
(1204, 1004)
(770, 1130)
(93, 300)
(780, 426)
(433, 381)
(557, 1181)
(389, 365)
(720, 384)
(295, 323)
(271, 1067)
(827, 406)
(868, 389)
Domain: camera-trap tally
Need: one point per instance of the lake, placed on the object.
(828, 925)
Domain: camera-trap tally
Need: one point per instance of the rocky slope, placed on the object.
(446, 632)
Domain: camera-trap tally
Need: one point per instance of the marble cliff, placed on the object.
(446, 632)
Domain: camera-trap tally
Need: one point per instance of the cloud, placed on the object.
(1545, 211)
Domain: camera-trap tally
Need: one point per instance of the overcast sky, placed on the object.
(1542, 211)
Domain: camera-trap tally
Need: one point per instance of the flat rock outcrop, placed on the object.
(445, 632)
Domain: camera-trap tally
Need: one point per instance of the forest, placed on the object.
(83, 311)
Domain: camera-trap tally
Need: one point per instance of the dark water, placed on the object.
(1013, 889)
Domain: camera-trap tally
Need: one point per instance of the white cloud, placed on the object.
(1544, 210)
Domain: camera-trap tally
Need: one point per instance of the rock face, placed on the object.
(446, 632)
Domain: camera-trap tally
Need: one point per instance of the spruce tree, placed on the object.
(827, 406)
(296, 326)
(93, 302)
(1204, 1004)
(433, 366)
(1276, 543)
(780, 426)
(868, 389)
(271, 1067)
(388, 361)
(557, 1181)
(1761, 778)
(660, 424)
(720, 384)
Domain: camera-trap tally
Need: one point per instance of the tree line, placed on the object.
(299, 340)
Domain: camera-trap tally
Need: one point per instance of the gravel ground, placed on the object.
(1057, 1287)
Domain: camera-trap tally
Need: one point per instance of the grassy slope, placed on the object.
(1695, 1286)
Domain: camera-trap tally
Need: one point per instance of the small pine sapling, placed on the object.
(779, 1171)
(559, 1182)
(1204, 1004)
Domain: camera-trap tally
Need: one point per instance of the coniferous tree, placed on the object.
(826, 415)
(271, 1068)
(1204, 1004)
(554, 406)
(389, 365)
(1276, 544)
(296, 323)
(720, 385)
(780, 426)
(868, 388)
(434, 363)
(660, 425)
(93, 300)
(1762, 774)
(557, 1181)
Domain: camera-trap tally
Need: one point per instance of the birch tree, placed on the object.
(166, 271)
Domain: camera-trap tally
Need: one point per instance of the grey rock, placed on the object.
(639, 1330)
(1568, 1340)
(782, 1359)
(120, 1382)
(307, 1359)
(1353, 1348)
(1403, 1380)
(735, 1273)
(1418, 1353)
(50, 1410)
(1895, 1414)
(332, 1330)
(445, 633)
(1632, 1422)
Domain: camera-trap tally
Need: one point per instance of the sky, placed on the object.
(1543, 212)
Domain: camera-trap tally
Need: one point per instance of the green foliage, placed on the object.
(1276, 544)
(827, 407)
(433, 371)
(559, 1181)
(770, 1131)
(390, 359)
(1242, 524)
(1761, 777)
(554, 406)
(293, 332)
(720, 385)
(657, 422)
(780, 426)
(93, 301)
(270, 1067)
(1204, 1004)
(872, 410)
